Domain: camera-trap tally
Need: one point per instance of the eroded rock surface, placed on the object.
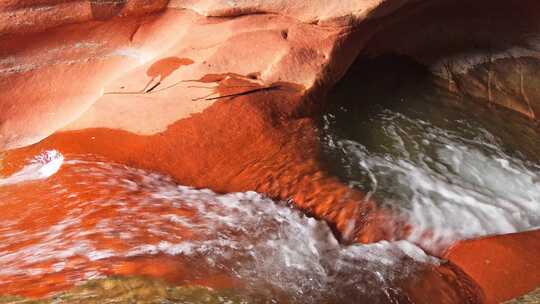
(266, 46)
(141, 79)
(487, 50)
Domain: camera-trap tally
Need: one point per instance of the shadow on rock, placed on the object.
(106, 9)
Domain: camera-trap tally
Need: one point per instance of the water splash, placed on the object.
(41, 167)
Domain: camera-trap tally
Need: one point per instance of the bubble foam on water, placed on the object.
(448, 186)
(42, 166)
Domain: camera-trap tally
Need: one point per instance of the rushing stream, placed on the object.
(450, 173)
(271, 249)
(451, 168)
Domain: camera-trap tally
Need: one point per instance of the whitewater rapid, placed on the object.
(270, 246)
(448, 185)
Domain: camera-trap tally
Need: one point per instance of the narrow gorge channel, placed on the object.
(269, 151)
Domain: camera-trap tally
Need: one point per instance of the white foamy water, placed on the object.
(42, 166)
(264, 243)
(448, 185)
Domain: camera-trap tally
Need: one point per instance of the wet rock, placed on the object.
(505, 266)
(112, 55)
(248, 130)
(30, 16)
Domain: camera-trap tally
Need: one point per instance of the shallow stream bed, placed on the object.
(448, 168)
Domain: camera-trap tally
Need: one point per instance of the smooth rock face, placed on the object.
(49, 79)
(315, 12)
(284, 51)
(266, 47)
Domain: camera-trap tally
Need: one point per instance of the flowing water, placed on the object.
(114, 214)
(450, 168)
(450, 173)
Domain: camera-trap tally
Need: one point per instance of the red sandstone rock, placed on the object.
(504, 266)
(250, 142)
(316, 12)
(36, 69)
(30, 16)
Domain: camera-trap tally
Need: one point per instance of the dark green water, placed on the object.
(453, 168)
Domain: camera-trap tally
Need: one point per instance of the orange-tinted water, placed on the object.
(87, 220)
(70, 218)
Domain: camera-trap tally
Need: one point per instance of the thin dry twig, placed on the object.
(152, 90)
(269, 88)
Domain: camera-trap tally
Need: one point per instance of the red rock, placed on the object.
(262, 140)
(443, 284)
(477, 50)
(504, 266)
(113, 56)
(30, 16)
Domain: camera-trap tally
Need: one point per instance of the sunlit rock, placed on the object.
(505, 266)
